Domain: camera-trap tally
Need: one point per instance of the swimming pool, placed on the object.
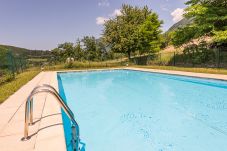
(122, 110)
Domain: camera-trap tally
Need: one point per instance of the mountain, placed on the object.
(17, 51)
(180, 24)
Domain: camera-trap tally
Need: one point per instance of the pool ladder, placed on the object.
(45, 88)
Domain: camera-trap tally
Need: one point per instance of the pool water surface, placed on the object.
(126, 110)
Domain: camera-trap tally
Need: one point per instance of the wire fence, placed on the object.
(212, 58)
(10, 65)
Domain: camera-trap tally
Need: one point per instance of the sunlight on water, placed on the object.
(125, 110)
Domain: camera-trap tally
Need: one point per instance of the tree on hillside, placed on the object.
(150, 34)
(135, 29)
(3, 57)
(89, 44)
(79, 54)
(209, 18)
(57, 55)
(67, 49)
(102, 50)
(167, 39)
(88, 48)
(184, 35)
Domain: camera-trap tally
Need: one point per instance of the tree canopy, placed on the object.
(136, 29)
(3, 56)
(88, 48)
(209, 18)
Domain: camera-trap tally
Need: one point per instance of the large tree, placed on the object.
(135, 29)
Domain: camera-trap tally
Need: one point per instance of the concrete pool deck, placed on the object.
(47, 133)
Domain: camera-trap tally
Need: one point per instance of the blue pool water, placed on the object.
(125, 110)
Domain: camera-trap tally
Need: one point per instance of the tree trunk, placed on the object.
(129, 55)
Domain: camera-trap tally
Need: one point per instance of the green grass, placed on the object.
(37, 60)
(5, 78)
(9, 88)
(163, 58)
(187, 69)
(85, 65)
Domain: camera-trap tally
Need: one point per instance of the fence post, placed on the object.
(174, 59)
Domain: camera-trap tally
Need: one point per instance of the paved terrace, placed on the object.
(47, 133)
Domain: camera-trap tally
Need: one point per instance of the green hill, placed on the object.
(27, 53)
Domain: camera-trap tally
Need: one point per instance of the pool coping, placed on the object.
(210, 76)
(50, 129)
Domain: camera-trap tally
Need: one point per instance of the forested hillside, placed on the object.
(27, 53)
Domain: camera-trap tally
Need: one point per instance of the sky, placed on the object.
(43, 24)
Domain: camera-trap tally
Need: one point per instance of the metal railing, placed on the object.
(29, 113)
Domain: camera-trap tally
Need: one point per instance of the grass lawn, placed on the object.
(85, 65)
(187, 69)
(9, 88)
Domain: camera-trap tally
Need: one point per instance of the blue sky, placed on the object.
(43, 24)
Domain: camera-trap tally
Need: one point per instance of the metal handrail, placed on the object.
(29, 111)
(41, 87)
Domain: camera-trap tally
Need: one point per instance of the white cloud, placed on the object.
(101, 20)
(164, 7)
(104, 3)
(117, 12)
(177, 14)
